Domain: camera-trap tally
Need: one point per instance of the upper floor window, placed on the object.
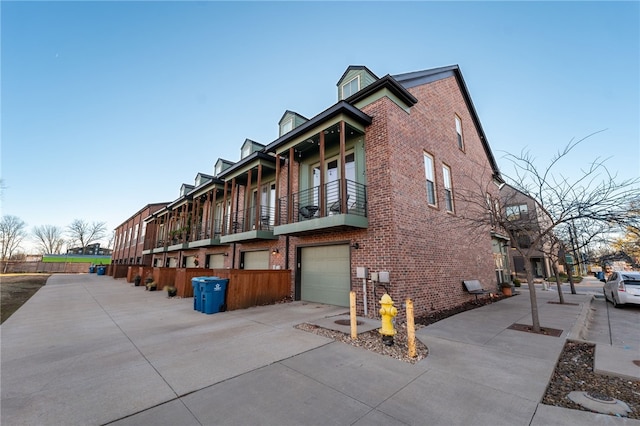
(459, 133)
(430, 176)
(517, 212)
(246, 151)
(448, 189)
(350, 87)
(287, 126)
(144, 229)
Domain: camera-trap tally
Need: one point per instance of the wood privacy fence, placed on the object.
(246, 288)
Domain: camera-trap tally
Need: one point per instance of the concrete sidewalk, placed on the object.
(88, 349)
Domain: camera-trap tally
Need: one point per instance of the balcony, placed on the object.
(244, 227)
(206, 234)
(320, 208)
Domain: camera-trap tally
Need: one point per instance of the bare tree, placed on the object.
(594, 197)
(85, 233)
(12, 232)
(49, 238)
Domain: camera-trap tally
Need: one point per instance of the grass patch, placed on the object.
(16, 289)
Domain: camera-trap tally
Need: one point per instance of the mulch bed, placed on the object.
(529, 329)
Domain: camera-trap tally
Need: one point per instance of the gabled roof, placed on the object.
(254, 156)
(335, 109)
(417, 78)
(387, 82)
(355, 67)
(292, 113)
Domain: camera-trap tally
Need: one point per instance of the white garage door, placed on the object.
(216, 261)
(325, 274)
(256, 259)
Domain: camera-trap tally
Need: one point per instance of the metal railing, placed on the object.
(305, 205)
(244, 220)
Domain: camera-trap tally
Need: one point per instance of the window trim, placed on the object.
(448, 188)
(357, 77)
(285, 123)
(426, 156)
(459, 132)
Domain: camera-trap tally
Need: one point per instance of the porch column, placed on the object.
(276, 216)
(292, 154)
(322, 195)
(233, 211)
(225, 219)
(258, 207)
(211, 226)
(343, 180)
(247, 203)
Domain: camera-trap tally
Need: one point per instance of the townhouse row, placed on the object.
(373, 181)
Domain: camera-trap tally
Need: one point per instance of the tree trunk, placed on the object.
(535, 321)
(570, 276)
(558, 283)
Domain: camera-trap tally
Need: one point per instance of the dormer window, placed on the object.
(287, 126)
(218, 168)
(350, 87)
(246, 150)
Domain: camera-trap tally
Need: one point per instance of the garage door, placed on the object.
(325, 274)
(256, 259)
(216, 261)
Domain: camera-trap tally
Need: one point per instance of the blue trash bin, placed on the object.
(197, 293)
(213, 296)
(101, 270)
(92, 269)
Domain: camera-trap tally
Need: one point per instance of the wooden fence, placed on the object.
(246, 288)
(249, 288)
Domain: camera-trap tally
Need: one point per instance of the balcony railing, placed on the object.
(244, 220)
(305, 205)
(205, 231)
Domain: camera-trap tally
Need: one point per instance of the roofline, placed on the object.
(332, 111)
(417, 78)
(291, 112)
(391, 83)
(246, 160)
(355, 67)
(164, 204)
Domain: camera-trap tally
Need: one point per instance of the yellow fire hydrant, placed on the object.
(388, 313)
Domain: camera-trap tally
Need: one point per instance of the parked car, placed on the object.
(622, 288)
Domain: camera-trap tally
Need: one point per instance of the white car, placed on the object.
(622, 288)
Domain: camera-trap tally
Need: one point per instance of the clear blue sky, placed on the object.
(108, 106)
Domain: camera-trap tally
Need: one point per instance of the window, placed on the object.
(135, 233)
(246, 151)
(144, 229)
(429, 174)
(518, 212)
(459, 132)
(350, 87)
(448, 190)
(287, 126)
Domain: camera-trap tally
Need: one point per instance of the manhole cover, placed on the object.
(600, 397)
(347, 322)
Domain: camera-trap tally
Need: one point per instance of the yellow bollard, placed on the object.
(411, 330)
(387, 313)
(352, 311)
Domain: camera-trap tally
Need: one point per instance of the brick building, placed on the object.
(370, 182)
(133, 236)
